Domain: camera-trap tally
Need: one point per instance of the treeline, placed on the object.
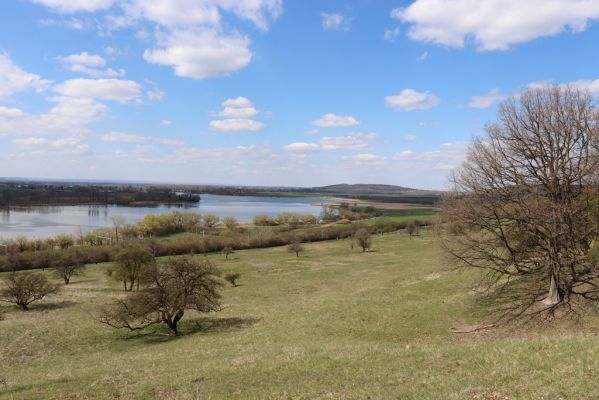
(22, 254)
(32, 194)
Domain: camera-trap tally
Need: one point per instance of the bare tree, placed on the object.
(117, 223)
(295, 247)
(363, 239)
(24, 288)
(183, 284)
(227, 250)
(69, 264)
(231, 223)
(412, 228)
(525, 206)
(131, 262)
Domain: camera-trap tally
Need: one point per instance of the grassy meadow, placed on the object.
(334, 323)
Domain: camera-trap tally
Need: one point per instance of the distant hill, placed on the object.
(365, 188)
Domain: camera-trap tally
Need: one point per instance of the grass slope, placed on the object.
(331, 324)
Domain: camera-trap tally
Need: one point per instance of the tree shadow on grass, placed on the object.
(38, 307)
(203, 325)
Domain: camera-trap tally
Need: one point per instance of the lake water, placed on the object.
(44, 221)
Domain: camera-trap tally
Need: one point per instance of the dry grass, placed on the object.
(331, 324)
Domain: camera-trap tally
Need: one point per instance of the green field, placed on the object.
(334, 323)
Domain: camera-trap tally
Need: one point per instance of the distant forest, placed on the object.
(35, 194)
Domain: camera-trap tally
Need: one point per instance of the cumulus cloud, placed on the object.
(301, 146)
(66, 145)
(123, 137)
(238, 113)
(201, 54)
(332, 121)
(335, 21)
(236, 125)
(119, 90)
(13, 79)
(7, 112)
(89, 64)
(409, 138)
(494, 24)
(487, 100)
(410, 100)
(166, 122)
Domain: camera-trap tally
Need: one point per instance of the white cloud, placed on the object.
(301, 146)
(90, 60)
(459, 145)
(30, 141)
(6, 112)
(166, 122)
(72, 6)
(332, 120)
(89, 64)
(238, 113)
(350, 142)
(123, 137)
(122, 91)
(591, 85)
(410, 100)
(423, 56)
(391, 34)
(155, 94)
(494, 24)
(335, 21)
(201, 54)
(238, 102)
(236, 125)
(487, 100)
(13, 79)
(312, 132)
(244, 112)
(410, 138)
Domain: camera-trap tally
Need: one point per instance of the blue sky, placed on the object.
(273, 92)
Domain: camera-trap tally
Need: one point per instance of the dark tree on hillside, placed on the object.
(182, 284)
(526, 202)
(23, 288)
(131, 262)
(68, 264)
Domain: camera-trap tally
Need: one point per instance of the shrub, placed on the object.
(363, 239)
(24, 288)
(232, 278)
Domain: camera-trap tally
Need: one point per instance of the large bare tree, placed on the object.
(525, 204)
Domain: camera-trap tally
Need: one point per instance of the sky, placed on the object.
(273, 92)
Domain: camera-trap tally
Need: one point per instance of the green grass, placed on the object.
(334, 323)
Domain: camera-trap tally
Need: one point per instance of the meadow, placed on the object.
(334, 323)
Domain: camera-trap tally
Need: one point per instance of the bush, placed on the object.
(24, 288)
(232, 278)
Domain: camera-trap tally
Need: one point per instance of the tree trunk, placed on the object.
(553, 294)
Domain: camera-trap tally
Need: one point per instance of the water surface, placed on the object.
(44, 221)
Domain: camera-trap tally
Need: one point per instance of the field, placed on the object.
(334, 323)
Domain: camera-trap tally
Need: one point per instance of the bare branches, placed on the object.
(525, 204)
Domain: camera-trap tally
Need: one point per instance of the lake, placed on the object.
(45, 221)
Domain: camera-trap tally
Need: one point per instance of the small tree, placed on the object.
(227, 250)
(117, 223)
(231, 223)
(182, 284)
(43, 259)
(412, 228)
(64, 241)
(68, 265)
(295, 247)
(232, 278)
(362, 237)
(131, 261)
(210, 220)
(24, 288)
